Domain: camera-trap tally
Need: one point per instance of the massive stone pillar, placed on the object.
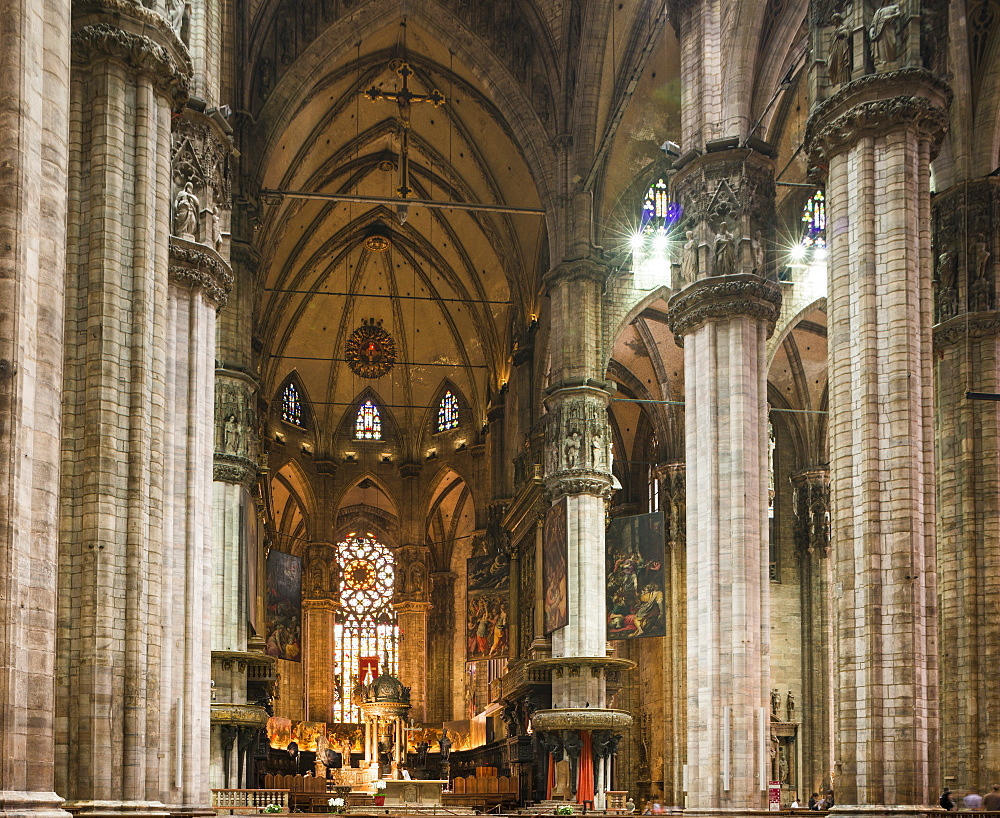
(440, 627)
(874, 139)
(123, 447)
(811, 506)
(578, 480)
(723, 321)
(35, 76)
(320, 601)
(966, 223)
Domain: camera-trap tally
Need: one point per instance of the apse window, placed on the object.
(368, 425)
(291, 405)
(447, 413)
(366, 630)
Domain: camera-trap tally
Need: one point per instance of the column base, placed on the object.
(16, 803)
(117, 809)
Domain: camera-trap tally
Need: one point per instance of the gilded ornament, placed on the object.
(370, 351)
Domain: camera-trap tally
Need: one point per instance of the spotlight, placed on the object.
(637, 240)
(660, 242)
(798, 252)
(820, 254)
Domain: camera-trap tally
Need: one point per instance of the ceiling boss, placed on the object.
(370, 351)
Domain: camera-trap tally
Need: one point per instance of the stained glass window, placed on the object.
(814, 221)
(366, 631)
(368, 426)
(447, 412)
(658, 212)
(291, 405)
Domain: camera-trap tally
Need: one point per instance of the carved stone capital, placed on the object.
(811, 506)
(723, 297)
(561, 484)
(581, 269)
(233, 469)
(577, 442)
(156, 53)
(876, 104)
(970, 325)
(197, 266)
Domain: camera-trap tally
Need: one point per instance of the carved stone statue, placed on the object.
(775, 702)
(838, 65)
(725, 251)
(232, 435)
(789, 707)
(444, 744)
(186, 207)
(422, 749)
(947, 281)
(980, 291)
(689, 259)
(572, 449)
(175, 15)
(216, 236)
(882, 33)
(757, 248)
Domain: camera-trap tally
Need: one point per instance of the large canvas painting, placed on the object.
(555, 567)
(487, 607)
(635, 588)
(284, 606)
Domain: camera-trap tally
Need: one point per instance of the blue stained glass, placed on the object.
(291, 405)
(447, 412)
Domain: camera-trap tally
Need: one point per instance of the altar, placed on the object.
(420, 793)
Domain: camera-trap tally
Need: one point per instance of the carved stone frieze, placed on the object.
(876, 104)
(321, 574)
(195, 266)
(249, 715)
(975, 325)
(589, 718)
(723, 297)
(811, 506)
(965, 224)
(231, 469)
(200, 169)
(412, 584)
(139, 53)
(673, 482)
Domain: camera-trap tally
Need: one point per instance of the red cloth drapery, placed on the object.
(585, 780)
(550, 778)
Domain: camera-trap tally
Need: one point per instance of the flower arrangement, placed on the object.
(272, 808)
(564, 809)
(337, 805)
(380, 784)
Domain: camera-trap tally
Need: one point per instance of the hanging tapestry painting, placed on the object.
(284, 606)
(487, 607)
(635, 555)
(555, 567)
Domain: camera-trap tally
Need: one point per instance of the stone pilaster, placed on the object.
(412, 608)
(320, 601)
(723, 323)
(874, 140)
(966, 221)
(811, 507)
(118, 645)
(34, 155)
(440, 628)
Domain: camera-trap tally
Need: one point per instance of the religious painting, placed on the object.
(279, 732)
(284, 606)
(635, 555)
(555, 567)
(306, 733)
(487, 607)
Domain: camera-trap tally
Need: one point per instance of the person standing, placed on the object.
(972, 802)
(945, 800)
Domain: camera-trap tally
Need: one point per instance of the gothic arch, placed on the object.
(465, 420)
(390, 429)
(307, 426)
(291, 507)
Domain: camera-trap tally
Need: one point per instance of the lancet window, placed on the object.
(291, 405)
(447, 412)
(814, 222)
(368, 425)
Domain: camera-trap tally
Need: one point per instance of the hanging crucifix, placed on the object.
(404, 97)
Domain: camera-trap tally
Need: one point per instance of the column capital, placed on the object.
(580, 269)
(723, 297)
(200, 267)
(138, 38)
(876, 104)
(577, 442)
(811, 506)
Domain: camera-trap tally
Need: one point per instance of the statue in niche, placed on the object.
(882, 33)
(725, 251)
(231, 436)
(689, 259)
(177, 10)
(186, 213)
(757, 250)
(596, 444)
(215, 230)
(947, 282)
(775, 702)
(789, 707)
(572, 449)
(980, 295)
(838, 65)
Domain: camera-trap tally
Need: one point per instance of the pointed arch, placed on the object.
(387, 426)
(291, 505)
(462, 411)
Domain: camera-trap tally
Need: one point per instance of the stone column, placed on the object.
(875, 139)
(811, 506)
(320, 601)
(440, 626)
(35, 75)
(723, 323)
(116, 642)
(672, 479)
(966, 221)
